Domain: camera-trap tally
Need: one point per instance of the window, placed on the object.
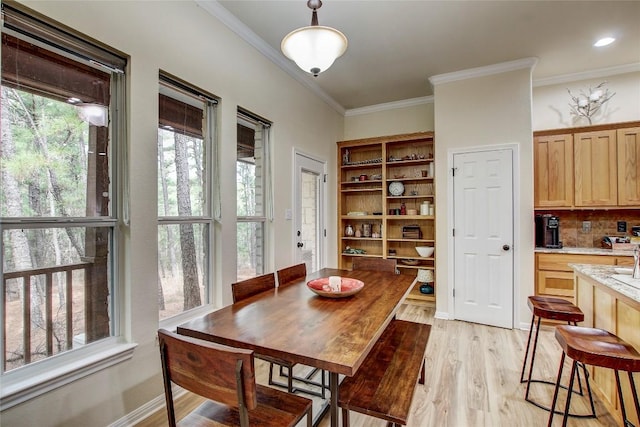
(58, 204)
(253, 194)
(185, 153)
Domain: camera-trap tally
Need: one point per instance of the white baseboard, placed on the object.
(525, 326)
(444, 315)
(146, 410)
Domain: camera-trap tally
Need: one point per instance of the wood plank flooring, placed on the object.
(472, 379)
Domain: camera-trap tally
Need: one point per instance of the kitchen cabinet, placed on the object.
(607, 309)
(384, 187)
(595, 168)
(588, 167)
(628, 146)
(554, 277)
(553, 173)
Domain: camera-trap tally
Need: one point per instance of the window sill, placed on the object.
(25, 383)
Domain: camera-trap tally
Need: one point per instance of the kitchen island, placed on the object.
(613, 306)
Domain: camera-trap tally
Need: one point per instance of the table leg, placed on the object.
(333, 388)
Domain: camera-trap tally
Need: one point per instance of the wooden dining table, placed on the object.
(295, 324)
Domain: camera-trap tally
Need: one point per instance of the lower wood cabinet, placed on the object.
(554, 277)
(606, 309)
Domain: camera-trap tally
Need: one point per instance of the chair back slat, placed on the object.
(292, 274)
(208, 369)
(374, 264)
(247, 288)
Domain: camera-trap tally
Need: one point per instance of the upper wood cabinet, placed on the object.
(589, 167)
(553, 173)
(628, 141)
(596, 168)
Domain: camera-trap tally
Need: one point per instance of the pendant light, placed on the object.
(314, 48)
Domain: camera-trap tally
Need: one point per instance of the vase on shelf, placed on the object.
(348, 231)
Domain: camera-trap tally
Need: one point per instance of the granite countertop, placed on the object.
(584, 251)
(602, 274)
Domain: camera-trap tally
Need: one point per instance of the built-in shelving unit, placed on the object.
(385, 223)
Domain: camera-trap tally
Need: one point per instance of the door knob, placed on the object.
(506, 247)
(300, 244)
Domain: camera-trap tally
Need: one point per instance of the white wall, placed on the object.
(551, 103)
(481, 112)
(182, 39)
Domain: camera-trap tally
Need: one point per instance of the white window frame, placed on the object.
(248, 120)
(210, 190)
(27, 382)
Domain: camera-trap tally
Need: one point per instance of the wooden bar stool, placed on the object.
(552, 309)
(596, 347)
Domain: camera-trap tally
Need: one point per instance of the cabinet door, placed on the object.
(595, 164)
(628, 143)
(557, 283)
(553, 171)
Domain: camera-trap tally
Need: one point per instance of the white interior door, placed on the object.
(310, 204)
(483, 237)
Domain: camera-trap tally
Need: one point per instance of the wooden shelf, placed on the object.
(417, 295)
(417, 154)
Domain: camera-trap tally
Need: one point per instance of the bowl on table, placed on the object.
(425, 251)
(348, 287)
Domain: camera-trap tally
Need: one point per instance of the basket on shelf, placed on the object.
(411, 232)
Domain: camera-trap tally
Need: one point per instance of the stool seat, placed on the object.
(555, 309)
(598, 347)
(544, 307)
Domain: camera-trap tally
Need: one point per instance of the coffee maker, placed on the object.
(548, 231)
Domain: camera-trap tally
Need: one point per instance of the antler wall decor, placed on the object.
(588, 104)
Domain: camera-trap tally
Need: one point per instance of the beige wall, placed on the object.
(551, 103)
(182, 39)
(482, 112)
(417, 118)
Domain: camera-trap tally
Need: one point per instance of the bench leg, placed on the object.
(345, 417)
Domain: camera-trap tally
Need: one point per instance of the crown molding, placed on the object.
(587, 75)
(389, 106)
(214, 8)
(471, 73)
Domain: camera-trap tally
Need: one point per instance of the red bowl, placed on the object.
(348, 287)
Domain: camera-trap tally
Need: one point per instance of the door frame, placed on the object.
(516, 247)
(322, 253)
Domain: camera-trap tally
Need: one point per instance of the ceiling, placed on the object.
(395, 46)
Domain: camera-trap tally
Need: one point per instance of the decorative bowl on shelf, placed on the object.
(408, 261)
(425, 251)
(348, 287)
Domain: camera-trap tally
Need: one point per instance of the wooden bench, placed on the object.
(384, 384)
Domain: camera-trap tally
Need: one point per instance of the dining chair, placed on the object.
(226, 377)
(287, 276)
(292, 274)
(374, 264)
(249, 287)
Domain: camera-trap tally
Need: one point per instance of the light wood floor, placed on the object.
(472, 379)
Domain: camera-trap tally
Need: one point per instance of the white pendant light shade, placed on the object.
(314, 48)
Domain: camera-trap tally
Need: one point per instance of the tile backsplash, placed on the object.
(603, 223)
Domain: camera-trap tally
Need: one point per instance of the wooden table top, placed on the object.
(295, 324)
